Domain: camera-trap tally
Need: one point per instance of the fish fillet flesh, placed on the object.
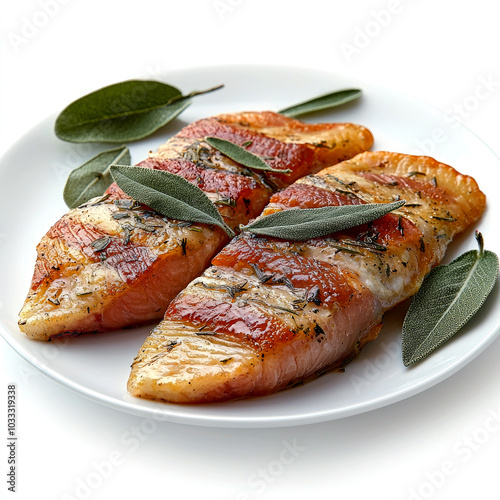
(269, 313)
(114, 263)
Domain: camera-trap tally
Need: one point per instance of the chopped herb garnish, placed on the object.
(226, 201)
(231, 290)
(120, 215)
(100, 200)
(312, 295)
(263, 278)
(100, 244)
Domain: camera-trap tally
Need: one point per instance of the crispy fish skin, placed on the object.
(270, 313)
(111, 263)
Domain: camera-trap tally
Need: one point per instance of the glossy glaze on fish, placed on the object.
(113, 263)
(270, 313)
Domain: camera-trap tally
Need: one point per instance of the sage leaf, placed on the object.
(168, 194)
(326, 101)
(450, 295)
(242, 156)
(93, 177)
(122, 112)
(299, 224)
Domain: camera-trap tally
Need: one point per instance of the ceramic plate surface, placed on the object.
(32, 176)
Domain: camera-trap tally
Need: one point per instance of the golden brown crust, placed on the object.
(285, 310)
(146, 260)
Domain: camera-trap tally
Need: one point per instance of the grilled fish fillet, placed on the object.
(269, 313)
(114, 263)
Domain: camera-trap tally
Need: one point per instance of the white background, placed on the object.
(443, 443)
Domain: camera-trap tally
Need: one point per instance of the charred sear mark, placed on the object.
(422, 245)
(319, 333)
(400, 225)
(447, 219)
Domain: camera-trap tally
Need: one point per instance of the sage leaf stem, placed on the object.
(194, 93)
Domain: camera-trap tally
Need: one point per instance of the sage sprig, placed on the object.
(450, 295)
(299, 224)
(326, 101)
(242, 156)
(168, 194)
(93, 177)
(122, 112)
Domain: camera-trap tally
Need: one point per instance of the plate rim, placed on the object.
(264, 421)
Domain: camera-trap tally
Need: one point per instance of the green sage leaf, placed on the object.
(242, 156)
(299, 224)
(93, 177)
(168, 194)
(122, 112)
(450, 295)
(326, 101)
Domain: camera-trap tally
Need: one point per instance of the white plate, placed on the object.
(32, 176)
